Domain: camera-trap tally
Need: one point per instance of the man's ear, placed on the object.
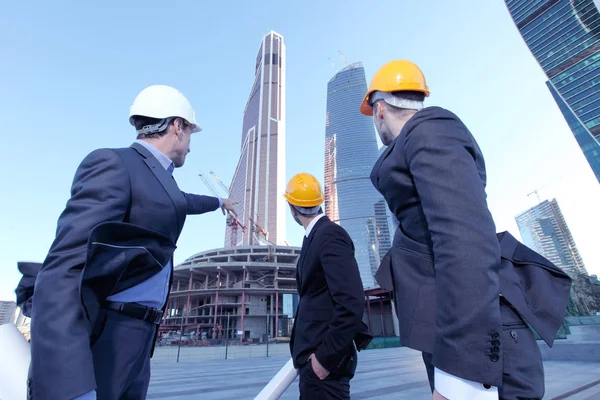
(179, 127)
(378, 110)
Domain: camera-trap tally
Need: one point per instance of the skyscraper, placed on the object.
(7, 312)
(544, 229)
(259, 178)
(350, 153)
(564, 37)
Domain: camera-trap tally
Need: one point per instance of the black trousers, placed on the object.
(121, 350)
(523, 371)
(336, 386)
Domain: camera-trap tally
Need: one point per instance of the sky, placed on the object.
(70, 71)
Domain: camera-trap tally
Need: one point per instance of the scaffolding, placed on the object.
(245, 283)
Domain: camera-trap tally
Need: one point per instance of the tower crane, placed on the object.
(256, 226)
(542, 187)
(231, 220)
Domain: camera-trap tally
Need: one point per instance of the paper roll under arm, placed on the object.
(14, 363)
(279, 383)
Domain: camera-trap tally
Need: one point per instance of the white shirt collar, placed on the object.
(312, 223)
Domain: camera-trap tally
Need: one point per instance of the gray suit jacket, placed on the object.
(111, 187)
(445, 262)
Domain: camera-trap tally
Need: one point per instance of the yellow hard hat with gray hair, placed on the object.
(395, 76)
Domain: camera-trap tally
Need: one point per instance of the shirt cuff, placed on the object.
(220, 202)
(453, 387)
(88, 396)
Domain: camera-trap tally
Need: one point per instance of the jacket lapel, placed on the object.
(377, 166)
(166, 180)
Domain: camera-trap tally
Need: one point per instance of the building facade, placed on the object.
(544, 229)
(259, 178)
(7, 312)
(350, 153)
(564, 37)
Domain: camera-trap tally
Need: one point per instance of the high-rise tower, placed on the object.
(259, 178)
(564, 37)
(350, 153)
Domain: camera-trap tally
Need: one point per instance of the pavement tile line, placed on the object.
(576, 391)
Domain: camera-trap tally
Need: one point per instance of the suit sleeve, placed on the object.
(198, 204)
(62, 365)
(441, 155)
(346, 290)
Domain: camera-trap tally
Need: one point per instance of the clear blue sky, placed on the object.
(70, 70)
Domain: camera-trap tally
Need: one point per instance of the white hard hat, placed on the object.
(160, 102)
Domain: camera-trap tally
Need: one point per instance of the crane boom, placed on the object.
(209, 185)
(220, 182)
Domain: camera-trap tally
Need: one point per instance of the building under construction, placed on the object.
(236, 293)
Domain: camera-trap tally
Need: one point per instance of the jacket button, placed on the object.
(494, 357)
(495, 335)
(495, 349)
(495, 342)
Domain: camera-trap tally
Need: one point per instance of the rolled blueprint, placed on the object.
(280, 382)
(14, 363)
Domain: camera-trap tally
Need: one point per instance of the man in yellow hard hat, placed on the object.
(328, 322)
(445, 261)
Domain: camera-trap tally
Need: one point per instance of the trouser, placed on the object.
(121, 350)
(522, 369)
(336, 386)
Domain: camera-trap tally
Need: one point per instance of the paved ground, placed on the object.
(396, 373)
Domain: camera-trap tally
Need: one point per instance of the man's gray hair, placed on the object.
(397, 100)
(307, 210)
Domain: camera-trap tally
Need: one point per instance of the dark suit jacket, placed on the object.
(433, 179)
(329, 316)
(24, 290)
(126, 185)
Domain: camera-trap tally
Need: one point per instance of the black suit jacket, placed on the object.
(112, 189)
(329, 316)
(445, 262)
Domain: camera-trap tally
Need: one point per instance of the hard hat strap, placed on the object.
(155, 128)
(395, 101)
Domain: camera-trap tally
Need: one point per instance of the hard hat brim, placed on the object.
(303, 203)
(196, 128)
(365, 107)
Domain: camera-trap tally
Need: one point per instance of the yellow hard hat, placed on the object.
(303, 190)
(397, 75)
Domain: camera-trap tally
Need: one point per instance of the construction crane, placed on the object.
(231, 220)
(343, 57)
(332, 63)
(220, 182)
(255, 226)
(542, 187)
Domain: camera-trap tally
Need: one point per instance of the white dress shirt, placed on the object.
(312, 224)
(455, 388)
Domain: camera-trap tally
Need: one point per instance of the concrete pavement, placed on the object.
(396, 373)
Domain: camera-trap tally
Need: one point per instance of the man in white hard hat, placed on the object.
(101, 292)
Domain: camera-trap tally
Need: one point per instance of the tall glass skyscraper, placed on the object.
(544, 229)
(564, 37)
(259, 178)
(350, 153)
